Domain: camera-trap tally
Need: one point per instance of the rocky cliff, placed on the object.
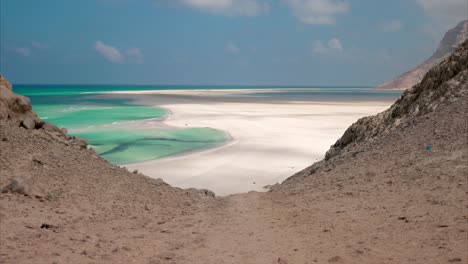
(443, 84)
(449, 43)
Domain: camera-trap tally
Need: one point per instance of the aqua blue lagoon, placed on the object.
(101, 119)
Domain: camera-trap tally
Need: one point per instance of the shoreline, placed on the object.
(265, 146)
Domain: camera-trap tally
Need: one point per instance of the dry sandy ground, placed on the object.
(269, 141)
(389, 201)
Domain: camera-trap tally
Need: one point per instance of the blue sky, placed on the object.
(224, 42)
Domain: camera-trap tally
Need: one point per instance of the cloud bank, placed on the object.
(226, 7)
(317, 11)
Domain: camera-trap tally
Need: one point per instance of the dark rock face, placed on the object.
(452, 39)
(444, 83)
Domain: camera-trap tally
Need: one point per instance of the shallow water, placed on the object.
(102, 122)
(130, 146)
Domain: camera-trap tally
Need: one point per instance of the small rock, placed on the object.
(126, 248)
(135, 172)
(79, 142)
(52, 128)
(282, 261)
(455, 260)
(17, 185)
(37, 161)
(28, 123)
(167, 255)
(334, 259)
(48, 226)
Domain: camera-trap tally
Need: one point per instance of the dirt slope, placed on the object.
(382, 197)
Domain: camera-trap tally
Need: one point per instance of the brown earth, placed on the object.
(380, 198)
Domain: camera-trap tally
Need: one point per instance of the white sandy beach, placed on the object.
(270, 142)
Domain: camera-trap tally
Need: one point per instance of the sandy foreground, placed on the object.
(269, 141)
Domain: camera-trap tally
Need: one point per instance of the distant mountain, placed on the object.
(452, 39)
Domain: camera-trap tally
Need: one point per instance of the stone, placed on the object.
(282, 261)
(28, 123)
(23, 185)
(334, 259)
(49, 127)
(17, 185)
(79, 142)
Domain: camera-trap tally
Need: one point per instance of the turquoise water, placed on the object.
(98, 119)
(139, 145)
(76, 116)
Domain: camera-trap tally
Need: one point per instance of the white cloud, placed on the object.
(317, 11)
(392, 25)
(111, 53)
(333, 46)
(135, 54)
(226, 7)
(23, 51)
(39, 45)
(231, 48)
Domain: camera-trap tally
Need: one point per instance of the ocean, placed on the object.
(107, 123)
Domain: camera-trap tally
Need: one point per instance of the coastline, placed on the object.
(266, 144)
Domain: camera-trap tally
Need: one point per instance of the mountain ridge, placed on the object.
(447, 45)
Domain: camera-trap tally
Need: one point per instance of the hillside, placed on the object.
(447, 45)
(393, 189)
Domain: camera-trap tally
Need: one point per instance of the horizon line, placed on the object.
(199, 85)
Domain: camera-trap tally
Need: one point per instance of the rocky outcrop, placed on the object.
(4, 82)
(452, 39)
(18, 110)
(445, 83)
(13, 106)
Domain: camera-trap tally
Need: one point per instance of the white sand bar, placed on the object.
(270, 142)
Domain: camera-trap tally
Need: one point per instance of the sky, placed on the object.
(220, 42)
